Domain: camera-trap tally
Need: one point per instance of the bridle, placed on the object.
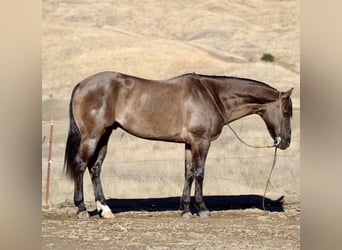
(225, 122)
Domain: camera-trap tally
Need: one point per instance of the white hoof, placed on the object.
(107, 215)
(83, 215)
(104, 210)
(204, 214)
(186, 215)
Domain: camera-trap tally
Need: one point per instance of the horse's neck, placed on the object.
(241, 109)
(238, 103)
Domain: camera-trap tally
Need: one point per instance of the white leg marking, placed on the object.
(105, 210)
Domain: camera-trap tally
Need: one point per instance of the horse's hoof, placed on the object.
(104, 210)
(204, 214)
(83, 215)
(186, 215)
(107, 215)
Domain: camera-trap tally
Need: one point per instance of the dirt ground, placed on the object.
(158, 228)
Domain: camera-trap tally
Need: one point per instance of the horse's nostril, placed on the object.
(288, 142)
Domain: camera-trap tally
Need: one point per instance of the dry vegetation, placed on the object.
(159, 40)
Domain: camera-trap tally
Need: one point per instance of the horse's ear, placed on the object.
(287, 93)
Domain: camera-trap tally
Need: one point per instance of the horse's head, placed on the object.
(277, 116)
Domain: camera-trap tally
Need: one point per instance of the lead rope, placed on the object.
(249, 145)
(238, 137)
(269, 177)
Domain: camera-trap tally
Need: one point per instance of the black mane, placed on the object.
(238, 78)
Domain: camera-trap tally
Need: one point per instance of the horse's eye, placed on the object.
(287, 109)
(287, 112)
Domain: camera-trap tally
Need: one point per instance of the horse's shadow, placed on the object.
(214, 203)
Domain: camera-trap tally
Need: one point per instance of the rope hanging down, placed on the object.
(269, 177)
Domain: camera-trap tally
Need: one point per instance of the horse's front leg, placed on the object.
(199, 155)
(189, 177)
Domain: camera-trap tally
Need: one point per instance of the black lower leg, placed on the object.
(96, 181)
(199, 201)
(189, 177)
(78, 192)
(199, 157)
(185, 200)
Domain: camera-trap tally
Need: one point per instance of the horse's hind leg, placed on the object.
(87, 148)
(78, 191)
(95, 170)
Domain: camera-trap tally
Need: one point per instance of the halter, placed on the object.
(225, 122)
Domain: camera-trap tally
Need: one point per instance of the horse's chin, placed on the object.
(284, 145)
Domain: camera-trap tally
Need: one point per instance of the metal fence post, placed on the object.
(47, 186)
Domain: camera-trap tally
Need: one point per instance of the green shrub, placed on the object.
(267, 57)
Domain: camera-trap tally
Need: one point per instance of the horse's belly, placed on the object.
(154, 114)
(154, 129)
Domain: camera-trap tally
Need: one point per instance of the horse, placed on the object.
(191, 109)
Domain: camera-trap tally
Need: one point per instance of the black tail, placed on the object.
(72, 144)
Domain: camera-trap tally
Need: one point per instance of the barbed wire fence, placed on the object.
(136, 168)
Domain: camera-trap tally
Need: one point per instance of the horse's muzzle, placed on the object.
(282, 143)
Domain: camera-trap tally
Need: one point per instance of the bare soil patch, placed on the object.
(250, 228)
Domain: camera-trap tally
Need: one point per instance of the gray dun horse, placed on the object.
(190, 109)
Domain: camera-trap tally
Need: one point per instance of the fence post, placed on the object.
(47, 185)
